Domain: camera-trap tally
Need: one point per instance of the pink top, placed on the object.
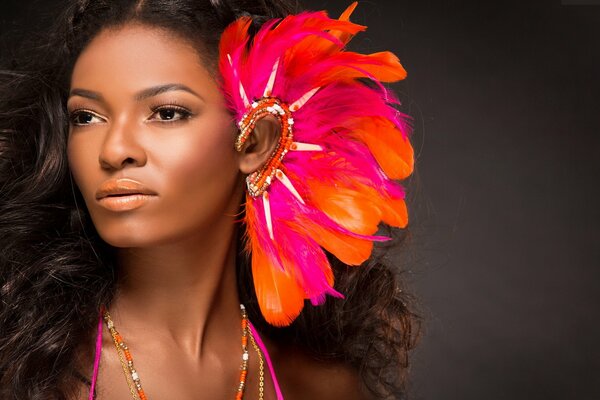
(259, 342)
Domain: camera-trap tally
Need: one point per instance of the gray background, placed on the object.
(504, 251)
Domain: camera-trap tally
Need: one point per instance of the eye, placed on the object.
(171, 113)
(84, 117)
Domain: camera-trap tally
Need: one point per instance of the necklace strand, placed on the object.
(133, 379)
(124, 365)
(131, 375)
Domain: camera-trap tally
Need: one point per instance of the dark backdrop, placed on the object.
(504, 210)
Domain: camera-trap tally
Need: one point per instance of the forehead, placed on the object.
(135, 56)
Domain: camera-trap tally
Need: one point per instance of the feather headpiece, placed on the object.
(331, 179)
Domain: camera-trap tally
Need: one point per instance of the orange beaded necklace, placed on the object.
(133, 379)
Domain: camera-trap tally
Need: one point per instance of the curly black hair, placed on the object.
(55, 270)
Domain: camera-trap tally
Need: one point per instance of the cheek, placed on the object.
(200, 172)
(82, 163)
(208, 152)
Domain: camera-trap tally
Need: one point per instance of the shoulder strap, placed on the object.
(92, 394)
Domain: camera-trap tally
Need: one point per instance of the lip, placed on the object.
(123, 194)
(122, 186)
(126, 202)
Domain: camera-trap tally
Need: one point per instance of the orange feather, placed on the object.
(392, 211)
(384, 66)
(317, 46)
(348, 249)
(393, 152)
(345, 36)
(279, 296)
(396, 213)
(234, 34)
(349, 208)
(345, 16)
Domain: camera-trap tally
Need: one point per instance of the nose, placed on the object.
(121, 145)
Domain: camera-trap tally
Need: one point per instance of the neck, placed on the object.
(185, 291)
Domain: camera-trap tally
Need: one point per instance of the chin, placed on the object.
(123, 234)
(126, 239)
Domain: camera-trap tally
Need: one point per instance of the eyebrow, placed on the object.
(139, 96)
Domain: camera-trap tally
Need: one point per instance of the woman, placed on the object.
(131, 237)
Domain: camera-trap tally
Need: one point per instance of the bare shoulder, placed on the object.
(302, 377)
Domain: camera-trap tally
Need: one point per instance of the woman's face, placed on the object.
(143, 107)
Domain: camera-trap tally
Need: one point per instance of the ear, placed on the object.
(260, 144)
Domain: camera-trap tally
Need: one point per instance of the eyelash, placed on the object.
(175, 106)
(186, 114)
(76, 113)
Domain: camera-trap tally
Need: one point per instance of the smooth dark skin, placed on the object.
(176, 305)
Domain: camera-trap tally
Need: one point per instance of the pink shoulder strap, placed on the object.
(96, 358)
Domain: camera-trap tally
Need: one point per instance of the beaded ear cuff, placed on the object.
(258, 181)
(331, 179)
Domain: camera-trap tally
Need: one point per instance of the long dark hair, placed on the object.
(55, 270)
